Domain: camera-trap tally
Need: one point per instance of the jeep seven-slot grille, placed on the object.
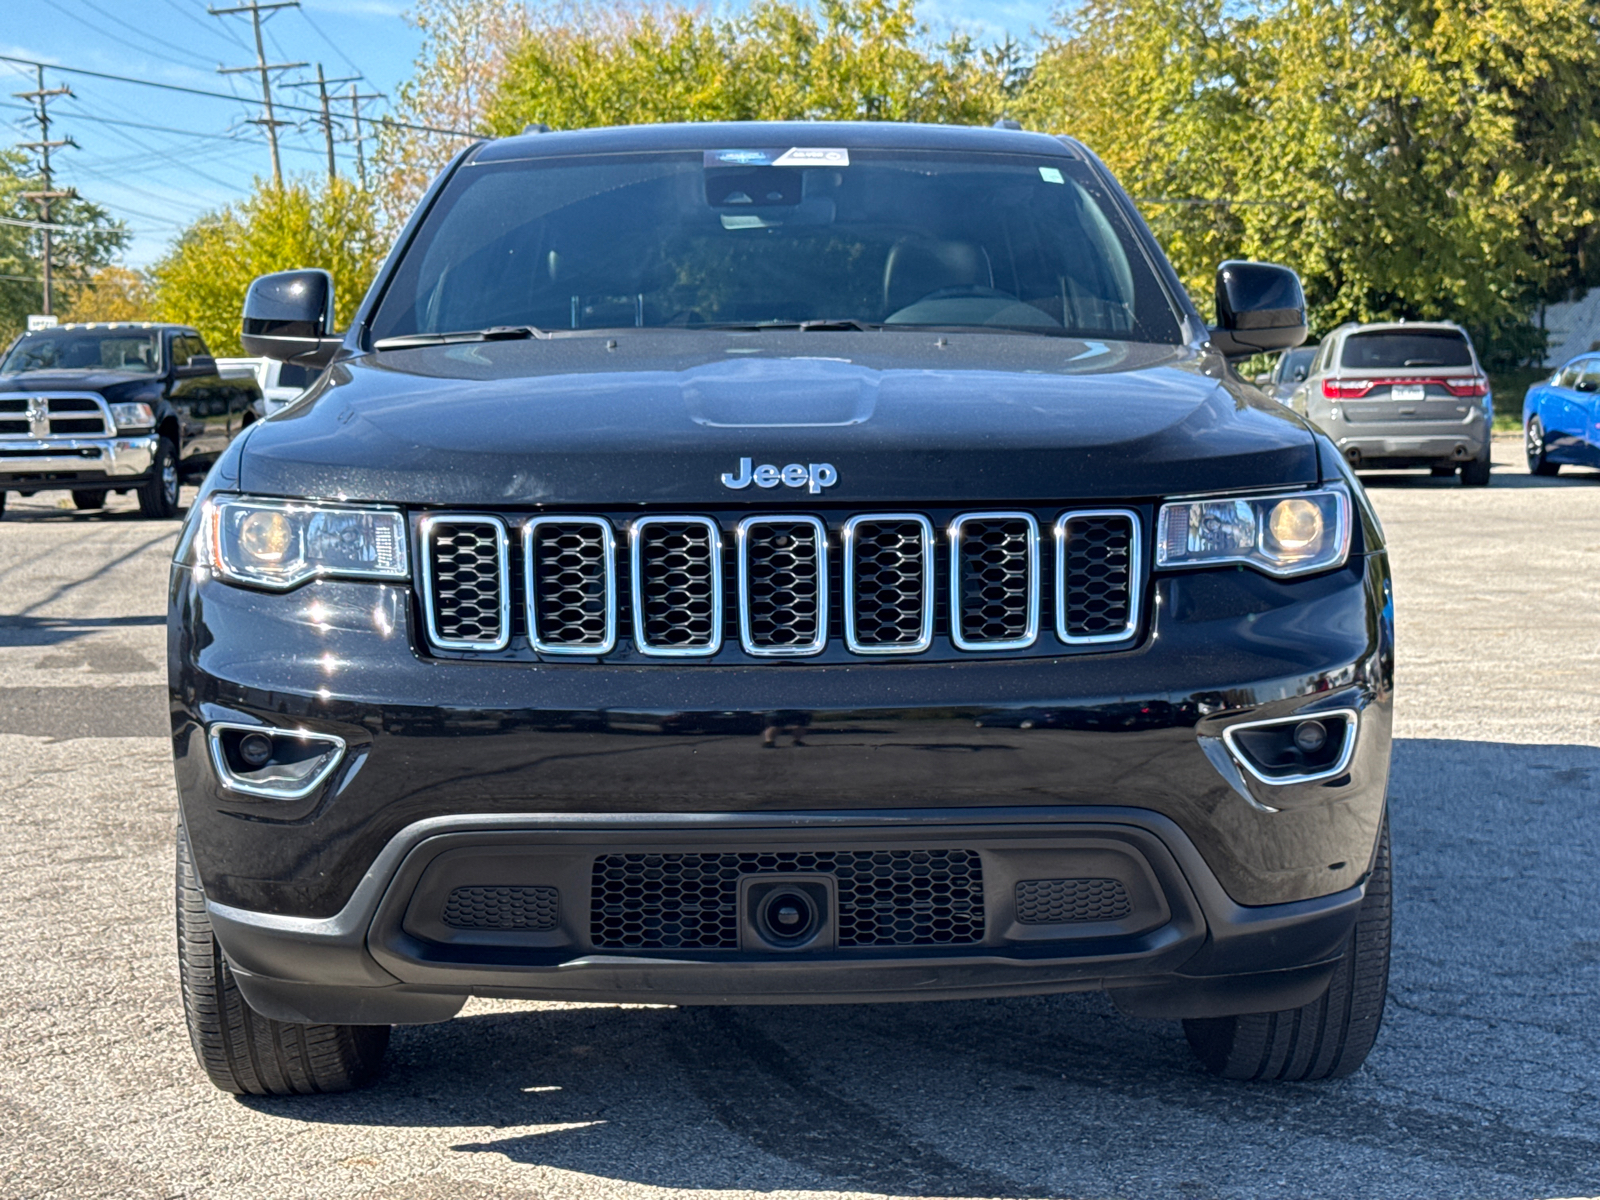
(691, 901)
(780, 584)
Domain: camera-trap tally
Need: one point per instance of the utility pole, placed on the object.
(326, 120)
(43, 200)
(255, 8)
(355, 118)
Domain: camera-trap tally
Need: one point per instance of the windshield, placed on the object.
(1296, 363)
(85, 350)
(1393, 349)
(717, 237)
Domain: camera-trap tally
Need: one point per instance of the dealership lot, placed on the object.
(1484, 1083)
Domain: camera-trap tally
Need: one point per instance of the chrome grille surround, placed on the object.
(761, 590)
(498, 607)
(42, 416)
(859, 536)
(1064, 594)
(567, 590)
(698, 580)
(1002, 580)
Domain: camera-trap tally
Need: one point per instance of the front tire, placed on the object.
(1533, 443)
(1328, 1038)
(158, 497)
(241, 1051)
(1476, 473)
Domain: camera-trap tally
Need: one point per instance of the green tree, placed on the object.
(203, 278)
(1411, 158)
(835, 60)
(92, 243)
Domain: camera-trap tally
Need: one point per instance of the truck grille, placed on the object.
(53, 416)
(982, 585)
(465, 582)
(691, 901)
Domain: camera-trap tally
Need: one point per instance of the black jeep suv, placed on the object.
(757, 564)
(117, 406)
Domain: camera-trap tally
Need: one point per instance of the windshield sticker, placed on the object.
(1050, 175)
(740, 158)
(802, 156)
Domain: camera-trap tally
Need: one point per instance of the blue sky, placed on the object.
(157, 159)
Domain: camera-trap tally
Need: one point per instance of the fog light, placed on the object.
(1310, 736)
(255, 749)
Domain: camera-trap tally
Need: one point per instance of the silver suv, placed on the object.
(1402, 394)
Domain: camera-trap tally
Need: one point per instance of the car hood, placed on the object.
(659, 417)
(113, 385)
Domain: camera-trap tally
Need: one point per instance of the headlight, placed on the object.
(282, 543)
(131, 418)
(1291, 534)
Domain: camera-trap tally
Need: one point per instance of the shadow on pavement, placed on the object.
(1483, 1082)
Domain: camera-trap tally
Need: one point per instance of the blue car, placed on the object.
(1561, 418)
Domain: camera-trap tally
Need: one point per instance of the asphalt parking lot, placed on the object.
(1485, 1083)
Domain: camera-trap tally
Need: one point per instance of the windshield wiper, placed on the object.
(495, 333)
(825, 325)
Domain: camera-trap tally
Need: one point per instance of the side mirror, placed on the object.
(1263, 379)
(1260, 308)
(198, 367)
(289, 316)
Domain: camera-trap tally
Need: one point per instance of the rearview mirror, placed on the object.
(289, 316)
(1260, 308)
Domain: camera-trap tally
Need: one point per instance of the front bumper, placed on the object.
(1179, 947)
(56, 460)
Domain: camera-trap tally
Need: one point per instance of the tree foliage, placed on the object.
(1410, 158)
(874, 60)
(93, 242)
(203, 278)
(113, 294)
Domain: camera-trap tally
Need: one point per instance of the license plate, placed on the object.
(1407, 391)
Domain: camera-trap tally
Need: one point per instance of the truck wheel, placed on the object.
(1533, 443)
(1328, 1038)
(1476, 472)
(94, 499)
(2, 504)
(241, 1051)
(159, 497)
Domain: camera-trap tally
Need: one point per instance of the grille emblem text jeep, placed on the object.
(812, 476)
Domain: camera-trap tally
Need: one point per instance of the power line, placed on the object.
(326, 121)
(173, 87)
(88, 24)
(337, 49)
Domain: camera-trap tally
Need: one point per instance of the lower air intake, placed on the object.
(1060, 901)
(691, 901)
(525, 909)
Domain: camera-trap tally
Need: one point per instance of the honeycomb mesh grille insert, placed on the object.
(1097, 576)
(890, 583)
(467, 578)
(784, 586)
(569, 565)
(994, 580)
(676, 585)
(532, 909)
(1059, 901)
(691, 901)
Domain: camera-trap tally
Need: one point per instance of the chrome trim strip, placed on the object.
(847, 539)
(746, 642)
(702, 650)
(425, 561)
(1346, 753)
(116, 457)
(1135, 571)
(608, 537)
(957, 609)
(234, 784)
(102, 410)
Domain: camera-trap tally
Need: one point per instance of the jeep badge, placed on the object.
(813, 476)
